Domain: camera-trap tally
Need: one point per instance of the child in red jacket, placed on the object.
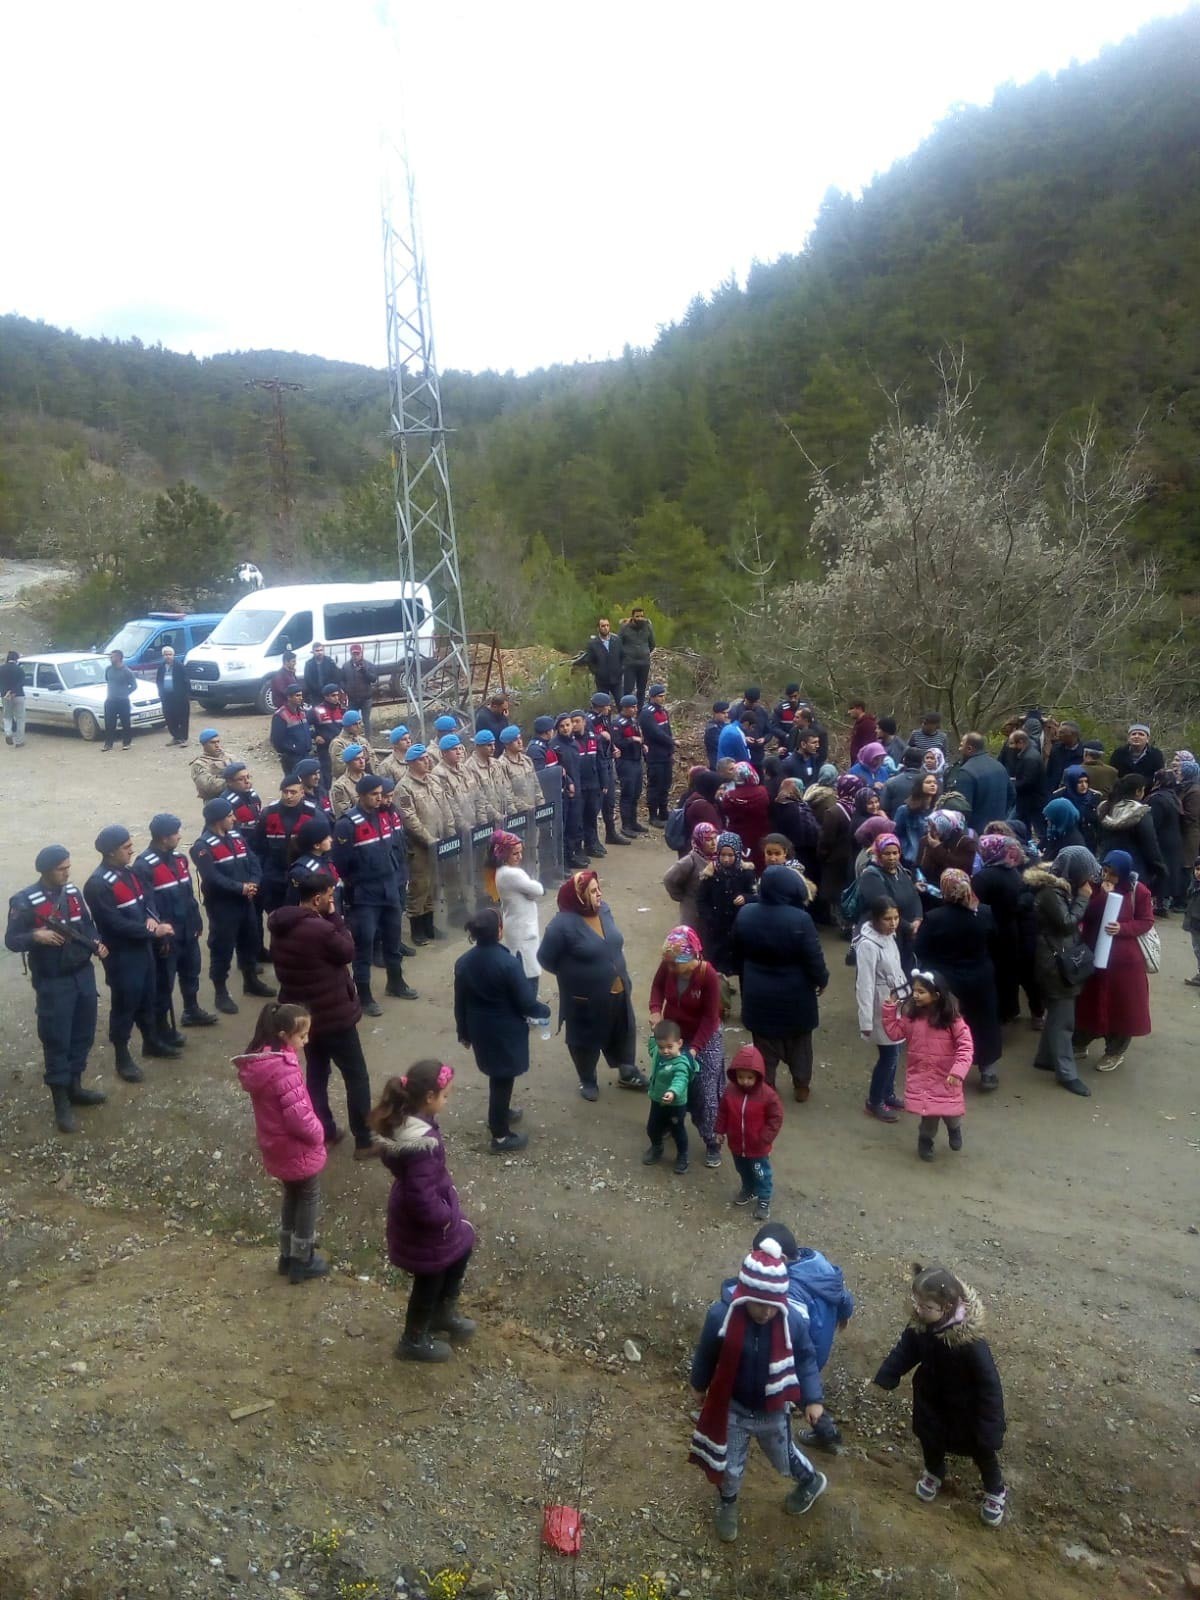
(749, 1117)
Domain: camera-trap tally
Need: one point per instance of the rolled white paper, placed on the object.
(1112, 910)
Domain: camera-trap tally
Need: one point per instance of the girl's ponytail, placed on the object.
(404, 1097)
(275, 1022)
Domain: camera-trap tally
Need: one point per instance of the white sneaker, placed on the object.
(928, 1487)
(1109, 1063)
(993, 1508)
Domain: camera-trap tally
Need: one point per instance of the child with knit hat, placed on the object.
(749, 1118)
(752, 1364)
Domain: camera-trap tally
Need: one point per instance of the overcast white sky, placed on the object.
(209, 176)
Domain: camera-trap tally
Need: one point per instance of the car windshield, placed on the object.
(83, 674)
(246, 627)
(131, 638)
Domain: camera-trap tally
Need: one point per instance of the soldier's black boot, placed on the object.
(367, 1000)
(168, 1034)
(65, 1119)
(419, 936)
(79, 1096)
(431, 930)
(159, 1048)
(253, 984)
(396, 986)
(225, 1003)
(193, 1016)
(127, 1067)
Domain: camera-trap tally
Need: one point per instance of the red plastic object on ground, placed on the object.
(562, 1530)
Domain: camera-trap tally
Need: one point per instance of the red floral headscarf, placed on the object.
(572, 890)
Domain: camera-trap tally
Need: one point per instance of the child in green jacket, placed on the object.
(672, 1069)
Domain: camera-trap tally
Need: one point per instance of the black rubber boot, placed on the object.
(159, 1049)
(396, 986)
(253, 984)
(612, 837)
(447, 1320)
(594, 848)
(168, 1034)
(127, 1067)
(301, 1271)
(407, 951)
(79, 1096)
(419, 936)
(65, 1119)
(225, 1003)
(371, 1006)
(193, 1016)
(416, 1345)
(433, 932)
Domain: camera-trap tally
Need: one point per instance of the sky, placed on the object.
(211, 176)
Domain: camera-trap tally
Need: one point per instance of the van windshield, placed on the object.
(246, 627)
(131, 637)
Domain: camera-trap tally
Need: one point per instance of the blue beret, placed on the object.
(631, 700)
(656, 688)
(485, 736)
(600, 698)
(352, 752)
(306, 768)
(51, 856)
(217, 810)
(208, 733)
(449, 741)
(232, 770)
(331, 688)
(541, 725)
(445, 725)
(351, 718)
(398, 733)
(389, 785)
(288, 779)
(164, 823)
(111, 838)
(367, 782)
(507, 735)
(313, 831)
(413, 753)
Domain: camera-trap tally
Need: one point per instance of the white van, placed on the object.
(245, 650)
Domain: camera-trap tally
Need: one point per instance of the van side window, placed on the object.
(297, 631)
(365, 619)
(201, 631)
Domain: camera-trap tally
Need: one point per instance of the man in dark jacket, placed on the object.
(494, 717)
(167, 876)
(930, 735)
(783, 719)
(806, 722)
(630, 750)
(901, 784)
(603, 659)
(312, 949)
(982, 782)
(1028, 773)
(863, 727)
(175, 695)
(759, 731)
(1137, 754)
(659, 741)
(637, 646)
(320, 671)
(365, 853)
(119, 685)
(230, 875)
(1066, 752)
(12, 692)
(566, 753)
(713, 729)
(291, 731)
(64, 982)
(285, 679)
(805, 760)
(777, 954)
(359, 676)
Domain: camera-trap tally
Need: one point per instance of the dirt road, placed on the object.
(141, 1307)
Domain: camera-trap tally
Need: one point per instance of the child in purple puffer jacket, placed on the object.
(290, 1136)
(427, 1233)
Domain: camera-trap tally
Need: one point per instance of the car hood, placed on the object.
(93, 694)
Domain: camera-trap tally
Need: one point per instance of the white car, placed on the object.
(67, 690)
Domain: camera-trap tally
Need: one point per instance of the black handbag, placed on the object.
(1075, 964)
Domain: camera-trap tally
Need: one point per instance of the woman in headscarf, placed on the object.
(1060, 827)
(518, 895)
(1077, 788)
(726, 885)
(948, 843)
(493, 1002)
(911, 821)
(1061, 893)
(1167, 815)
(934, 760)
(865, 835)
(746, 809)
(1126, 824)
(886, 878)
(1000, 886)
(872, 766)
(1115, 1001)
(792, 817)
(867, 804)
(835, 849)
(1188, 770)
(778, 953)
(827, 775)
(583, 948)
(700, 801)
(682, 880)
(687, 990)
(954, 939)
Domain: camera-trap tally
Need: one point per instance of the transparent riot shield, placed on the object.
(477, 841)
(453, 897)
(545, 832)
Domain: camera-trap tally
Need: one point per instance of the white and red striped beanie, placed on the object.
(763, 1278)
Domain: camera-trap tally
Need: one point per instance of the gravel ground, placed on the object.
(141, 1308)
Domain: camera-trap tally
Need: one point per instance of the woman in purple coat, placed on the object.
(427, 1233)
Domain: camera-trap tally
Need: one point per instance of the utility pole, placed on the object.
(277, 455)
(426, 544)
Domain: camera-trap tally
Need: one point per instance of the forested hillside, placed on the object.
(1052, 236)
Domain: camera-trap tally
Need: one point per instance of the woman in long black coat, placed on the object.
(492, 1001)
(1000, 886)
(778, 955)
(954, 940)
(584, 949)
(1167, 812)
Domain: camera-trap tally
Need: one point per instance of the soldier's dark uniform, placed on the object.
(269, 842)
(567, 753)
(589, 787)
(121, 907)
(365, 848)
(226, 865)
(600, 723)
(64, 982)
(630, 751)
(309, 861)
(167, 875)
(655, 723)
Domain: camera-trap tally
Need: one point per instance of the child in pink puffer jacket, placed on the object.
(289, 1131)
(940, 1049)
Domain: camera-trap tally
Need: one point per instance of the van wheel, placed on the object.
(264, 700)
(87, 725)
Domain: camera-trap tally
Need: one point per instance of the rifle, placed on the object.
(68, 930)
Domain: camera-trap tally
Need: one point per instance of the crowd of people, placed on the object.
(959, 883)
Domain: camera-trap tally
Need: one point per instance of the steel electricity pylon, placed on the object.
(425, 538)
